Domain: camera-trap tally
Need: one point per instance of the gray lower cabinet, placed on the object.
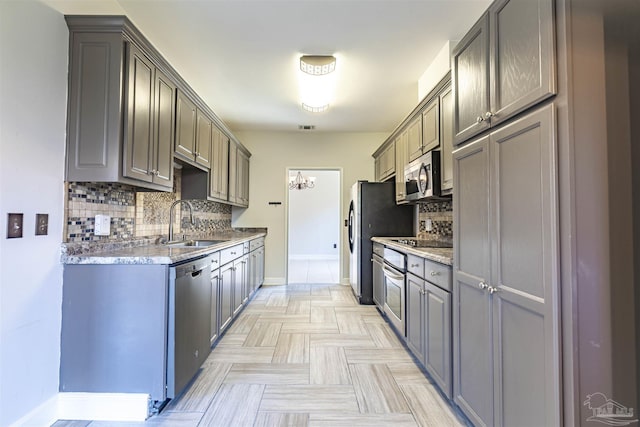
(239, 284)
(255, 266)
(503, 65)
(415, 315)
(506, 285)
(429, 332)
(215, 298)
(121, 110)
(225, 280)
(378, 280)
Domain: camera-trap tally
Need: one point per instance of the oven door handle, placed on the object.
(392, 274)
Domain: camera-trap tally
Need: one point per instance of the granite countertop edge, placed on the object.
(441, 255)
(148, 251)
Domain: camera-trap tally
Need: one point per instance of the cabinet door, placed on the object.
(522, 52)
(239, 271)
(524, 268)
(139, 117)
(431, 126)
(415, 316)
(242, 181)
(164, 130)
(219, 165)
(185, 126)
(470, 79)
(233, 169)
(472, 337)
(414, 139)
(226, 277)
(203, 139)
(437, 336)
(378, 282)
(215, 303)
(446, 139)
(401, 162)
(261, 267)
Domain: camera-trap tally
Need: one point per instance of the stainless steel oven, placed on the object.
(422, 177)
(395, 266)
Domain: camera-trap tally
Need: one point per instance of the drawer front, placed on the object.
(215, 261)
(245, 247)
(229, 254)
(438, 274)
(415, 265)
(256, 243)
(378, 249)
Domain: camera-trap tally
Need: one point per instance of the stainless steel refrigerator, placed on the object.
(373, 212)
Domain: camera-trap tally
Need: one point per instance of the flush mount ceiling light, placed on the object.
(317, 81)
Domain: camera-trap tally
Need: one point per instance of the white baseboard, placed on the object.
(88, 406)
(315, 257)
(273, 281)
(345, 281)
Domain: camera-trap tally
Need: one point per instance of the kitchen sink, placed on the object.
(193, 243)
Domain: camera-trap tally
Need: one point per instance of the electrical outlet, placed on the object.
(429, 225)
(14, 226)
(42, 224)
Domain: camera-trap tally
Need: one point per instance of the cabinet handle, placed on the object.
(488, 115)
(479, 119)
(415, 265)
(492, 290)
(152, 172)
(483, 285)
(435, 273)
(157, 173)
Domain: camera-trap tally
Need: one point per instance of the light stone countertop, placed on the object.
(441, 255)
(157, 253)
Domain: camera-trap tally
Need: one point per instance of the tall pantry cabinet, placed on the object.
(506, 286)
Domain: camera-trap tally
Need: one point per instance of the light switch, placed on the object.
(14, 226)
(102, 225)
(42, 224)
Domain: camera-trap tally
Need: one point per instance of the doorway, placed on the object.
(313, 247)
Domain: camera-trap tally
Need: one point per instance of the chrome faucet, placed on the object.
(172, 214)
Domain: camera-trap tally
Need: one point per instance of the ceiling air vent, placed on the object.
(306, 127)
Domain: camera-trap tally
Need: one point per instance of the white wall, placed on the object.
(272, 153)
(33, 91)
(314, 217)
(440, 65)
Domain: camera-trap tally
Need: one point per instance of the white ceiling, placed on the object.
(241, 56)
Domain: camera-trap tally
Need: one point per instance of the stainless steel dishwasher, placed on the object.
(189, 322)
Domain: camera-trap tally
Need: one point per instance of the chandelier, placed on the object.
(300, 182)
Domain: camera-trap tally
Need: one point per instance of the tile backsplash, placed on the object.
(441, 215)
(136, 214)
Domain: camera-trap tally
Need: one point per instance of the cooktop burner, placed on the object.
(424, 243)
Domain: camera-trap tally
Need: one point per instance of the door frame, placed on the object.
(286, 216)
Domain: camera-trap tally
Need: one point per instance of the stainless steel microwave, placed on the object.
(422, 177)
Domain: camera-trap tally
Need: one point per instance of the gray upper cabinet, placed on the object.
(523, 55)
(470, 79)
(414, 139)
(219, 174)
(400, 143)
(431, 126)
(185, 126)
(203, 139)
(446, 141)
(120, 119)
(385, 161)
(238, 175)
(194, 131)
(506, 326)
(504, 65)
